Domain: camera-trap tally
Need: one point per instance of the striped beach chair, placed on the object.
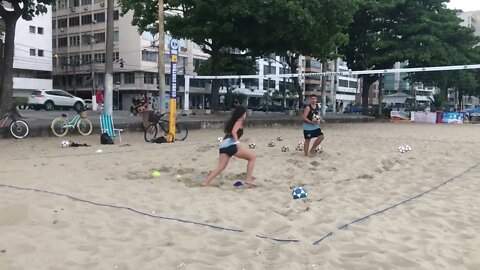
(106, 126)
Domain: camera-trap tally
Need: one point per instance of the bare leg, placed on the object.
(306, 145)
(250, 157)
(317, 142)
(222, 163)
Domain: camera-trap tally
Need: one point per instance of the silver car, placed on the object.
(51, 99)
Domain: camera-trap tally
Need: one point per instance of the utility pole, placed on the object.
(161, 58)
(92, 71)
(324, 89)
(268, 87)
(380, 94)
(108, 93)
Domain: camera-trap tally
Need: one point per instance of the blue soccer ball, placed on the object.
(299, 193)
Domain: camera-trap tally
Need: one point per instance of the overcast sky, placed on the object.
(465, 5)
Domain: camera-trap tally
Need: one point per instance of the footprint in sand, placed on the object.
(205, 148)
(297, 163)
(365, 176)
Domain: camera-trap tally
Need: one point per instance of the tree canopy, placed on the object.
(257, 27)
(422, 32)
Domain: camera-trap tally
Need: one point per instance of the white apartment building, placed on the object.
(346, 91)
(79, 43)
(32, 62)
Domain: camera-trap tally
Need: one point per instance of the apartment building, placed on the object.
(341, 90)
(32, 63)
(79, 40)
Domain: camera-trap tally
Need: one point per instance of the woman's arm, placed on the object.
(235, 129)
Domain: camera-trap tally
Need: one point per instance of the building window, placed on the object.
(74, 41)
(62, 42)
(115, 36)
(99, 17)
(99, 37)
(54, 24)
(148, 78)
(32, 29)
(32, 52)
(40, 30)
(129, 77)
(40, 53)
(87, 19)
(86, 58)
(99, 58)
(62, 23)
(86, 2)
(343, 83)
(115, 15)
(116, 56)
(117, 78)
(74, 21)
(86, 39)
(149, 56)
(74, 3)
(54, 43)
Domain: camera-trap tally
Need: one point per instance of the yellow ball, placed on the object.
(156, 174)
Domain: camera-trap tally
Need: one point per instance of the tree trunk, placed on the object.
(1, 67)
(292, 62)
(6, 102)
(215, 83)
(367, 82)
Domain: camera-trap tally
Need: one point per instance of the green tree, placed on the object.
(10, 12)
(285, 27)
(290, 28)
(422, 32)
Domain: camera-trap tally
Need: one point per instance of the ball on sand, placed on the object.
(156, 173)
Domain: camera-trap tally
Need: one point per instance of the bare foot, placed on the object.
(250, 185)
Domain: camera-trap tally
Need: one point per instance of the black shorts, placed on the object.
(309, 134)
(229, 151)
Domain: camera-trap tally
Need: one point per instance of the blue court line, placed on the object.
(150, 215)
(345, 226)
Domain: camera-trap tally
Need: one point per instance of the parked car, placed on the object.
(51, 99)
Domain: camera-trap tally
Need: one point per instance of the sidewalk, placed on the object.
(39, 121)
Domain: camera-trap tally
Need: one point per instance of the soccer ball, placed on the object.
(299, 193)
(316, 118)
(66, 144)
(220, 139)
(299, 146)
(285, 149)
(318, 150)
(252, 145)
(271, 144)
(408, 148)
(279, 139)
(401, 149)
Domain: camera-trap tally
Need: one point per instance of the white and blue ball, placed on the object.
(66, 144)
(299, 193)
(316, 118)
(220, 139)
(252, 145)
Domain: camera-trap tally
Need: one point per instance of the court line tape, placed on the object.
(148, 214)
(345, 226)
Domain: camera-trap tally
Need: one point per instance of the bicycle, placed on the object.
(157, 123)
(61, 125)
(19, 129)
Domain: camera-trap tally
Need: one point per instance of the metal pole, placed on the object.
(92, 71)
(268, 87)
(380, 94)
(161, 58)
(108, 93)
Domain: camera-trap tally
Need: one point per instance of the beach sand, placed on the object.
(106, 210)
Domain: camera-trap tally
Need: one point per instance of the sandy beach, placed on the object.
(74, 208)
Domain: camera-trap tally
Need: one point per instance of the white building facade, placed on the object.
(33, 55)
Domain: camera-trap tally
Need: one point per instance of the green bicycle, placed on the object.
(61, 125)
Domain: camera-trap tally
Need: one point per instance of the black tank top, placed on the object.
(312, 112)
(239, 134)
